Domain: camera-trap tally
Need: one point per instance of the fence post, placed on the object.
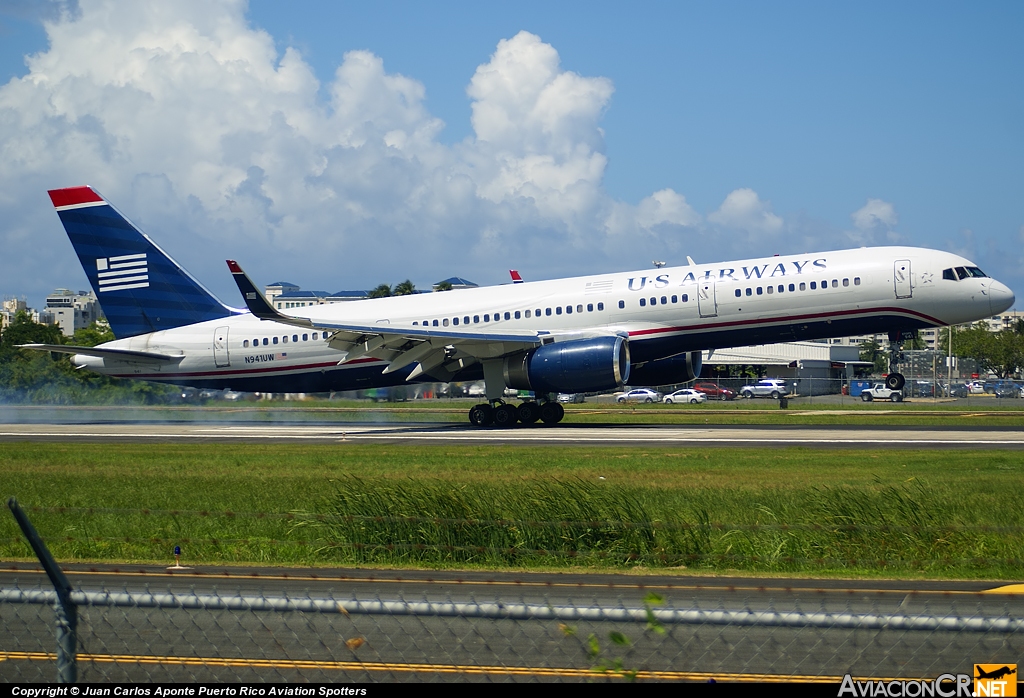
(67, 612)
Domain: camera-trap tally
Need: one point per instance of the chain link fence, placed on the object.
(137, 636)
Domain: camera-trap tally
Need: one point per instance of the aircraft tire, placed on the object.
(551, 413)
(529, 412)
(481, 415)
(505, 416)
(895, 381)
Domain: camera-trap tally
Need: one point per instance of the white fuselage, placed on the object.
(664, 311)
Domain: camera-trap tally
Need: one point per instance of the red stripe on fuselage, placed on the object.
(788, 319)
(72, 196)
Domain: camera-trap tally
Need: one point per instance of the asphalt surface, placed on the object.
(591, 434)
(174, 644)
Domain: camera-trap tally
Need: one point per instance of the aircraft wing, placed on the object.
(440, 352)
(119, 354)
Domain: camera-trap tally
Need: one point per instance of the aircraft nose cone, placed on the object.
(1000, 297)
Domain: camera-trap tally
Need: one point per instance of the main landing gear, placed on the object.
(895, 379)
(501, 414)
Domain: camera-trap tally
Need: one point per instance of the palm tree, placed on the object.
(443, 286)
(406, 288)
(382, 291)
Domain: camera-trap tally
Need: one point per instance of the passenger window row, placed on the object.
(510, 315)
(283, 340)
(802, 286)
(664, 300)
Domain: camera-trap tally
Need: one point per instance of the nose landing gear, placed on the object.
(895, 379)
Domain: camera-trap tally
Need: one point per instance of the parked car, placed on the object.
(570, 398)
(1005, 388)
(686, 395)
(714, 391)
(879, 392)
(640, 395)
(769, 387)
(957, 390)
(976, 387)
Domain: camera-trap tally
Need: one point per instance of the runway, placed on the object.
(590, 434)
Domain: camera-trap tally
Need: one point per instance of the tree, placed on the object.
(872, 351)
(443, 286)
(23, 331)
(406, 288)
(92, 335)
(1001, 352)
(382, 291)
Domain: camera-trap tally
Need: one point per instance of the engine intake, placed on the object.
(576, 366)
(681, 368)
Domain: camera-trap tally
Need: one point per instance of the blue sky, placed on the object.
(711, 129)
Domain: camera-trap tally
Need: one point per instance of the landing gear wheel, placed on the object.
(505, 416)
(481, 415)
(866, 397)
(895, 381)
(529, 412)
(551, 413)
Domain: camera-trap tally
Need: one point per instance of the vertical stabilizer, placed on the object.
(140, 288)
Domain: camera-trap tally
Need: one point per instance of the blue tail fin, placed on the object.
(140, 288)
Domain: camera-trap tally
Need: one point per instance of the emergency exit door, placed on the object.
(707, 303)
(901, 279)
(220, 347)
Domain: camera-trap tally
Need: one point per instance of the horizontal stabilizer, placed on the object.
(119, 354)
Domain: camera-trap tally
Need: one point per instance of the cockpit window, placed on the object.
(949, 274)
(977, 273)
(961, 272)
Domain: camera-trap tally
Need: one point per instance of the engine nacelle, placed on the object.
(681, 368)
(576, 366)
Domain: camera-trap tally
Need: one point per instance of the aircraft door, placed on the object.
(220, 347)
(901, 277)
(707, 302)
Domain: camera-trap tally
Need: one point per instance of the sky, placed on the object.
(340, 145)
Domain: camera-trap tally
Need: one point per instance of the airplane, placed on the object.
(584, 334)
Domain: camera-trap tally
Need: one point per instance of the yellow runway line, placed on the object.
(421, 668)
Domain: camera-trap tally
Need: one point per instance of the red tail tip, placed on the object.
(72, 196)
(233, 266)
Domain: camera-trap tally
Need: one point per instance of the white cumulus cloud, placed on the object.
(190, 121)
(873, 214)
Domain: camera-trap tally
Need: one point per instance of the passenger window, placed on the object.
(275, 340)
(415, 323)
(686, 297)
(518, 315)
(759, 290)
(664, 300)
(527, 313)
(803, 286)
(622, 304)
(455, 321)
(590, 307)
(284, 340)
(600, 307)
(643, 302)
(654, 301)
(245, 342)
(568, 309)
(444, 322)
(476, 319)
(749, 292)
(835, 283)
(814, 285)
(434, 323)
(508, 315)
(846, 282)
(579, 308)
(782, 288)
(487, 317)
(792, 287)
(770, 289)
(295, 337)
(537, 312)
(465, 320)
(558, 310)
(824, 285)
(266, 341)
(547, 311)
(739, 293)
(305, 338)
(856, 281)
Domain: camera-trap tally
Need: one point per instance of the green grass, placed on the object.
(786, 511)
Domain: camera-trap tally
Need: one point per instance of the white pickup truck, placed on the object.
(879, 392)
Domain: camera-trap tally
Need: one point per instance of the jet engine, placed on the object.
(576, 366)
(680, 368)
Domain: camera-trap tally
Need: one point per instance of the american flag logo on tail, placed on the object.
(123, 272)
